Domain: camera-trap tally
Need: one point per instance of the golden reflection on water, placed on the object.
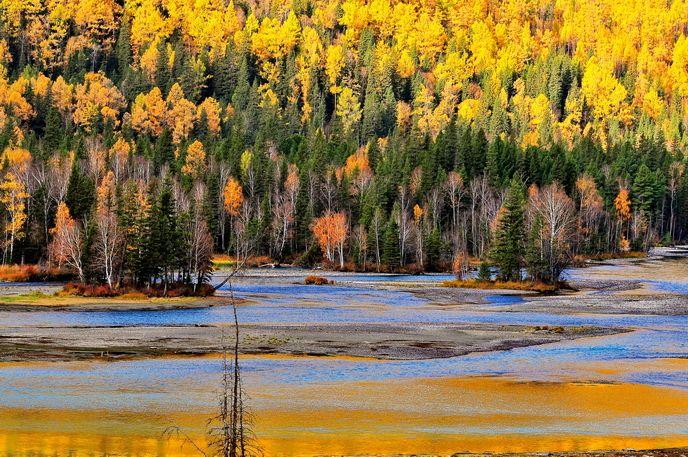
(404, 416)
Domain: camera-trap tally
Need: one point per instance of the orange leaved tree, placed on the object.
(67, 244)
(330, 231)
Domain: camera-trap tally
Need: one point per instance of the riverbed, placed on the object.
(372, 365)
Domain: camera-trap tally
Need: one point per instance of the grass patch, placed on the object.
(31, 297)
(225, 262)
(33, 273)
(539, 287)
(580, 260)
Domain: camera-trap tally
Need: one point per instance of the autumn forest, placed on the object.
(141, 137)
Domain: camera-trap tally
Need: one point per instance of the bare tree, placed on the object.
(199, 241)
(676, 170)
(230, 431)
(283, 210)
(224, 173)
(590, 206)
(109, 232)
(67, 245)
(376, 225)
(362, 240)
(455, 191)
(404, 222)
(329, 189)
(556, 212)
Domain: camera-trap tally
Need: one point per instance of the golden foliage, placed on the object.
(622, 203)
(181, 114)
(348, 109)
(97, 100)
(211, 108)
(195, 165)
(148, 113)
(13, 195)
(233, 196)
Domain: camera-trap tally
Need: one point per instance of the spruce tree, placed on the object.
(163, 75)
(80, 193)
(484, 273)
(165, 248)
(391, 255)
(508, 246)
(535, 263)
(433, 249)
(123, 48)
(225, 76)
(53, 132)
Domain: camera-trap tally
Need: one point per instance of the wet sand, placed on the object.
(389, 342)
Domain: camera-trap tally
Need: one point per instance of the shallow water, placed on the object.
(547, 394)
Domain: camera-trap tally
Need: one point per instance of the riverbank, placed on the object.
(384, 342)
(29, 297)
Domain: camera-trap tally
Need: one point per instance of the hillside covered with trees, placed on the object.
(140, 136)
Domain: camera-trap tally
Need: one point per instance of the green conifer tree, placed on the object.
(508, 245)
(391, 255)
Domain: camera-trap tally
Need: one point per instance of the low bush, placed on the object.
(133, 293)
(134, 296)
(33, 273)
(506, 285)
(317, 281)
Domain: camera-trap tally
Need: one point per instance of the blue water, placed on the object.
(289, 304)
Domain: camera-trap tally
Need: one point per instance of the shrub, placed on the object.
(134, 296)
(484, 273)
(317, 281)
(32, 273)
(539, 287)
(131, 293)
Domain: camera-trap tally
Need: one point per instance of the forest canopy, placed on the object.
(381, 133)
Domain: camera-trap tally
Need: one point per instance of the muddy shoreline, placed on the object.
(379, 341)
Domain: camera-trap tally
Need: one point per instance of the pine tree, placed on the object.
(508, 246)
(534, 261)
(243, 85)
(225, 76)
(484, 273)
(433, 249)
(647, 190)
(165, 248)
(478, 153)
(391, 255)
(163, 75)
(53, 132)
(123, 48)
(463, 153)
(80, 193)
